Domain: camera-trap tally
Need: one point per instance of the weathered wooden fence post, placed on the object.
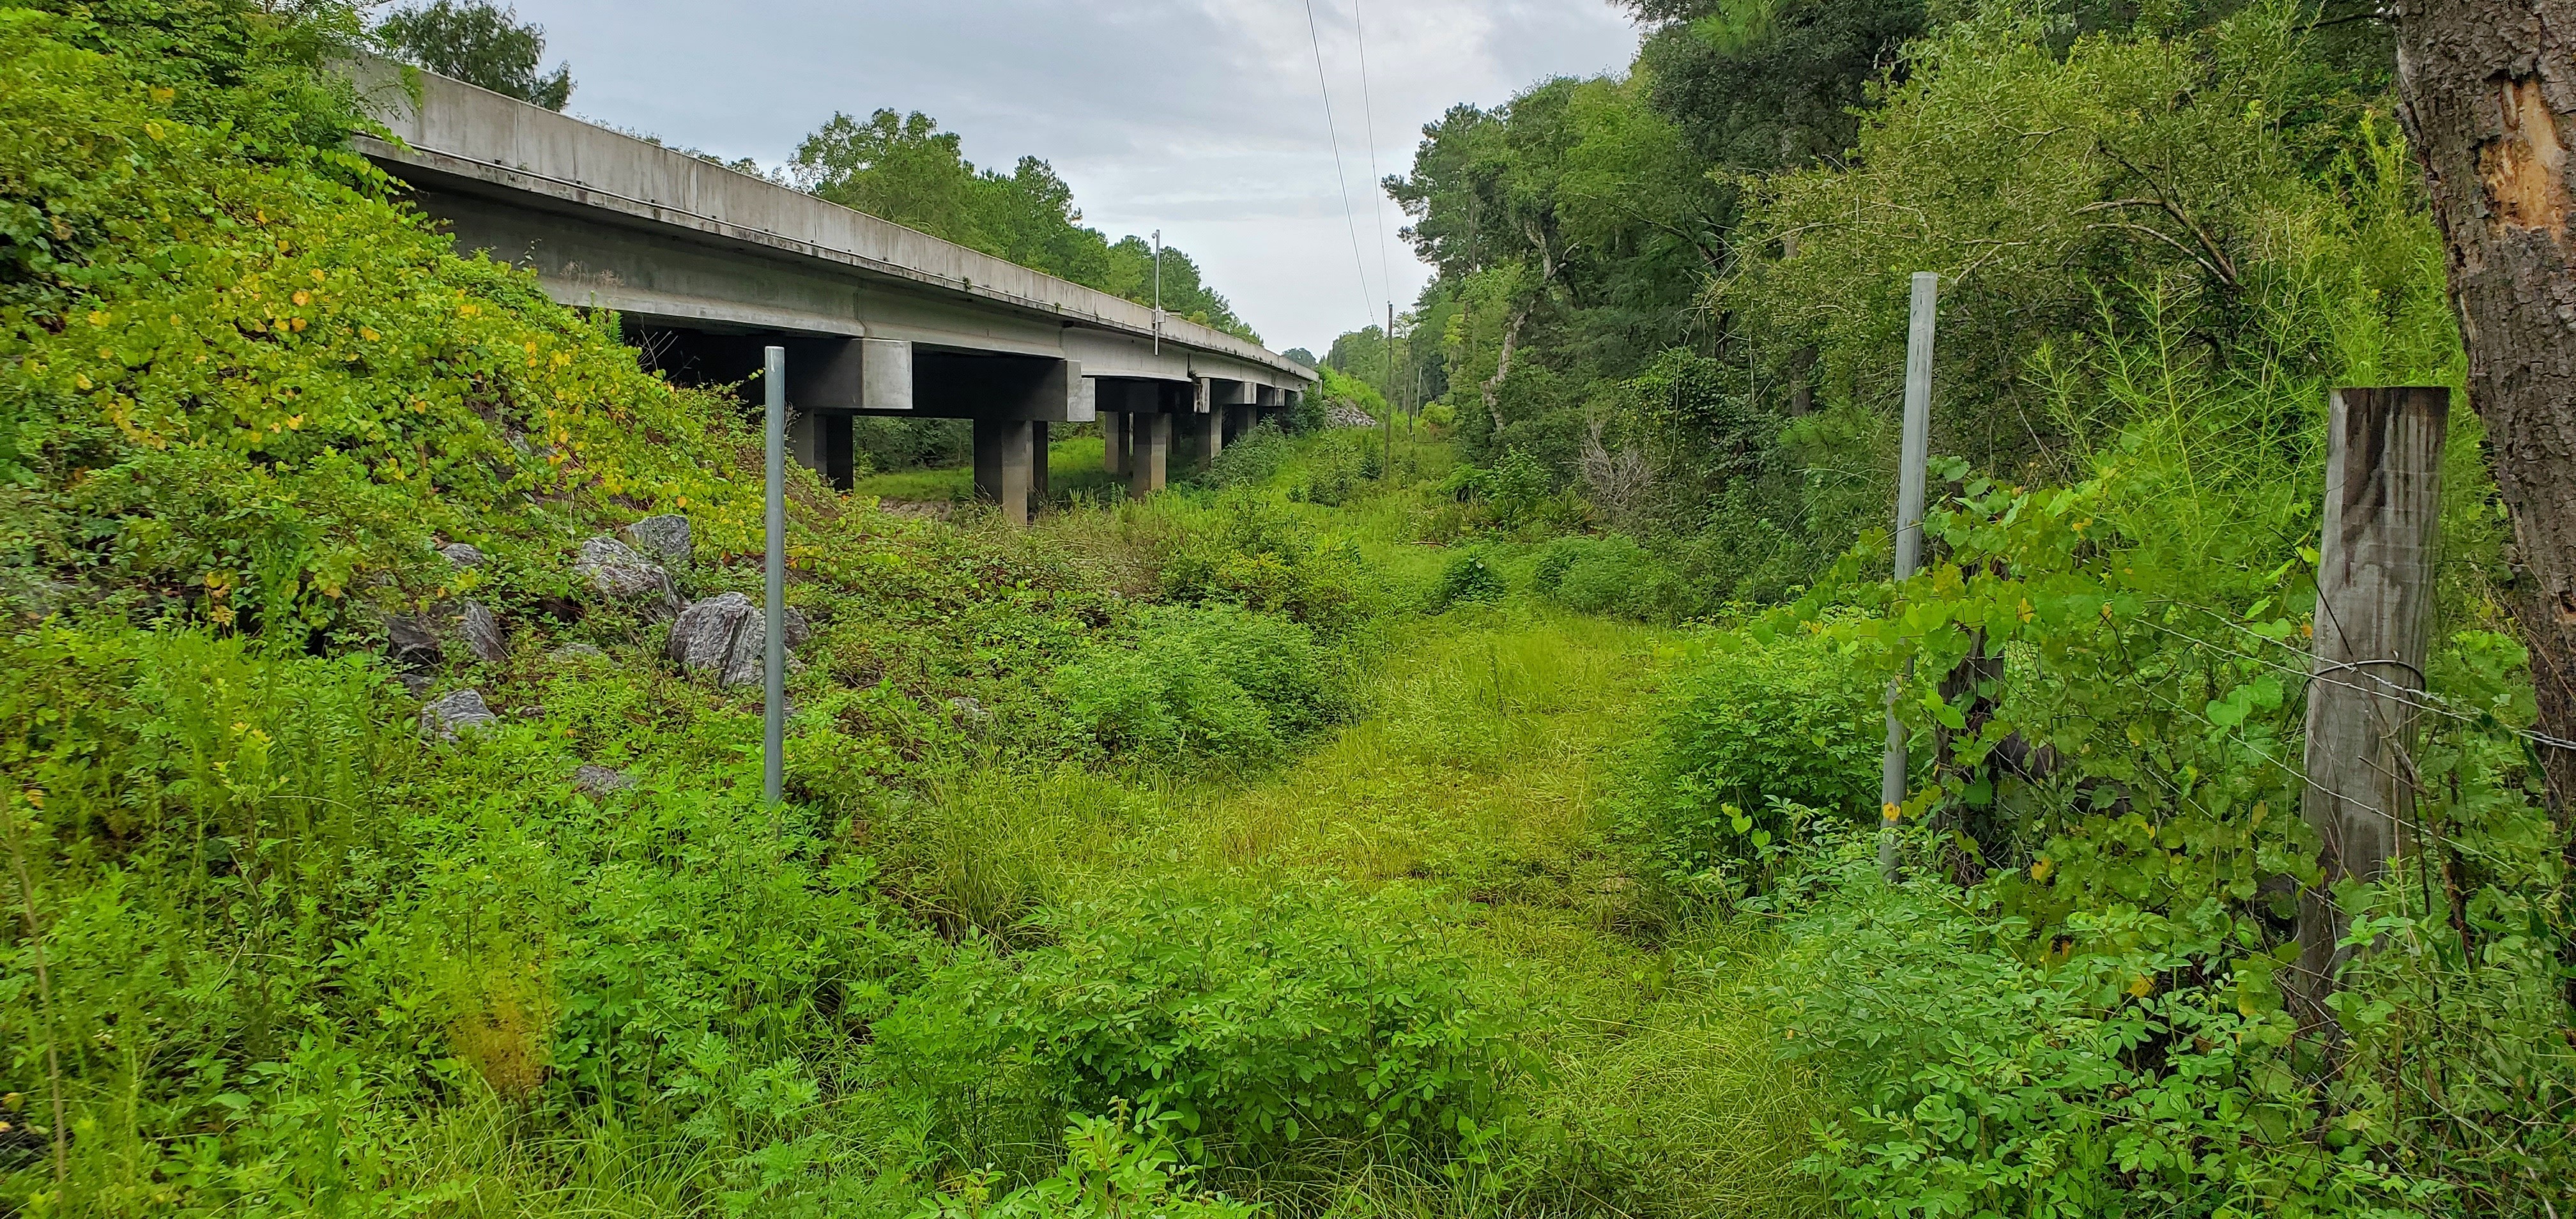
(2374, 627)
(1914, 453)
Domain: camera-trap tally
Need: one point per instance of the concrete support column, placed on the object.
(820, 441)
(1238, 422)
(1003, 458)
(1113, 443)
(1039, 491)
(1149, 439)
(1206, 437)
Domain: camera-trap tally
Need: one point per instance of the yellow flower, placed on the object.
(303, 298)
(297, 325)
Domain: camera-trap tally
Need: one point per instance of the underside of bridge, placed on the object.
(706, 266)
(1150, 426)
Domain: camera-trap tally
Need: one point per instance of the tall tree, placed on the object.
(481, 44)
(1771, 84)
(2488, 91)
(903, 168)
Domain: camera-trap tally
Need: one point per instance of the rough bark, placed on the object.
(2488, 95)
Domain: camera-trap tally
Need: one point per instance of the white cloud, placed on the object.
(1199, 117)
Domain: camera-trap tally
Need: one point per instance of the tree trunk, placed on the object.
(2488, 94)
(1493, 386)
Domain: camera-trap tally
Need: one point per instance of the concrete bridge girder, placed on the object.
(707, 265)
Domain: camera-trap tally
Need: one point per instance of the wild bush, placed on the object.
(1756, 739)
(1113, 1167)
(2103, 1077)
(1207, 684)
(1261, 558)
(1336, 466)
(1469, 576)
(1252, 459)
(1607, 574)
(1261, 1025)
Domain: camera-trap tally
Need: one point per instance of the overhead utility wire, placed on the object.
(1377, 181)
(1358, 263)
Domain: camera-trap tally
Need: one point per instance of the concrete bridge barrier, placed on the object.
(706, 265)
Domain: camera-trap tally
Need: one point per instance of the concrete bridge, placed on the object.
(707, 265)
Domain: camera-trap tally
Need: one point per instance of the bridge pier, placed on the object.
(1149, 441)
(1039, 490)
(1005, 466)
(820, 441)
(1113, 442)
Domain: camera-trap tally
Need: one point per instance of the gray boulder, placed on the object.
(575, 653)
(412, 642)
(725, 636)
(482, 634)
(665, 538)
(616, 572)
(592, 780)
(462, 554)
(455, 713)
(418, 642)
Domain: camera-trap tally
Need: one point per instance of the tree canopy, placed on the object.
(904, 168)
(479, 43)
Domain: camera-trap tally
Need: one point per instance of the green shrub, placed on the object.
(1257, 1025)
(1263, 559)
(1253, 459)
(1755, 736)
(1608, 574)
(1470, 576)
(1112, 1168)
(2085, 1083)
(1213, 682)
(1335, 466)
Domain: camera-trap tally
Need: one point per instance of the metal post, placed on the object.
(773, 736)
(1158, 292)
(1909, 534)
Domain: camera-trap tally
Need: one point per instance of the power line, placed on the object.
(1358, 262)
(1377, 189)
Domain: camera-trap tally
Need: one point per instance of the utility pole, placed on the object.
(1909, 536)
(773, 735)
(1386, 449)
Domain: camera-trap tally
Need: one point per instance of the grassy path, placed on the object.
(1480, 773)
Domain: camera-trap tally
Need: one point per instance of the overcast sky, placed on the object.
(1199, 117)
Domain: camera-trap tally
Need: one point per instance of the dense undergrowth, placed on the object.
(1350, 831)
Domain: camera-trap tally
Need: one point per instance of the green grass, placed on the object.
(1073, 471)
(1479, 775)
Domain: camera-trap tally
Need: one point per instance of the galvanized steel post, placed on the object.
(774, 609)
